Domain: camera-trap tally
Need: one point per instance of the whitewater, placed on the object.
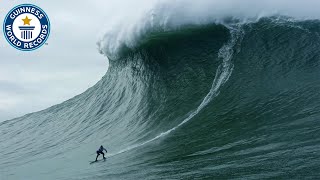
(195, 90)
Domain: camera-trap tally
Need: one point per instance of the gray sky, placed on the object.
(67, 66)
(70, 63)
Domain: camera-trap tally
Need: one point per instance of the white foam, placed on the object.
(133, 22)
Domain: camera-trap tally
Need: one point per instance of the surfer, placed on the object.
(100, 151)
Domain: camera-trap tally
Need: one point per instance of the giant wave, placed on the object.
(216, 99)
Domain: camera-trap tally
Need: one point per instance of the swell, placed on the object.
(262, 124)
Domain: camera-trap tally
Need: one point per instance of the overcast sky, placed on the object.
(70, 63)
(67, 66)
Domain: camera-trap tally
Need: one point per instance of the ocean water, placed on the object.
(228, 100)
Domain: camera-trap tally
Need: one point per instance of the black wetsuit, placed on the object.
(100, 151)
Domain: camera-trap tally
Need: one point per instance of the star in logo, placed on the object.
(26, 21)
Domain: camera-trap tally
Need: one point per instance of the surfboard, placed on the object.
(100, 160)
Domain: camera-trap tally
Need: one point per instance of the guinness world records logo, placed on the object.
(26, 27)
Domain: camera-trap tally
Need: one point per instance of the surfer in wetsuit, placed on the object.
(100, 151)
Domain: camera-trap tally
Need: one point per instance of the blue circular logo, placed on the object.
(26, 27)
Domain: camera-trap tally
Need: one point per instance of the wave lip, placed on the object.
(129, 31)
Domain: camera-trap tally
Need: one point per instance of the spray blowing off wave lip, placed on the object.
(116, 45)
(171, 16)
(163, 17)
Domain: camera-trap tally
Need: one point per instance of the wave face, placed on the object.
(201, 102)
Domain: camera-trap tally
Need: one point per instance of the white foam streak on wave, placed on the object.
(222, 75)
